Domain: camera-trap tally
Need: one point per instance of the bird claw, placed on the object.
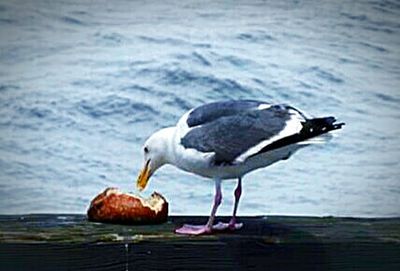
(220, 226)
(193, 229)
(204, 229)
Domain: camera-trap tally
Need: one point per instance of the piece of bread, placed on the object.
(114, 206)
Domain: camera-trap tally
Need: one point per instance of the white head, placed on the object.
(156, 154)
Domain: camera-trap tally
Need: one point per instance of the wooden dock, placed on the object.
(70, 242)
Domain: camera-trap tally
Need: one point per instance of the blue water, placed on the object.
(84, 83)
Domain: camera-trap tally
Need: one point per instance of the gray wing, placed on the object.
(212, 111)
(230, 135)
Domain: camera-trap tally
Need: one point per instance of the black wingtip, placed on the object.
(319, 126)
(338, 125)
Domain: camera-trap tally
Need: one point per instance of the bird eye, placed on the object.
(146, 150)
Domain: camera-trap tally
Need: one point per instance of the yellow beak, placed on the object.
(143, 177)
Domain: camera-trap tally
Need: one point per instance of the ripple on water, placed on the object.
(83, 85)
(114, 105)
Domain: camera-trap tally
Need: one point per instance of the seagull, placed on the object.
(228, 139)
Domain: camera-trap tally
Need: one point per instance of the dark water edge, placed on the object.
(83, 84)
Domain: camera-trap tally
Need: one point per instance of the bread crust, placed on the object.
(114, 206)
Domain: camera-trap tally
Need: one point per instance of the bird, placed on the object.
(228, 139)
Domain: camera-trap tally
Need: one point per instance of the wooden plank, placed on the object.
(70, 242)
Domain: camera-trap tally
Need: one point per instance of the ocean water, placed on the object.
(84, 83)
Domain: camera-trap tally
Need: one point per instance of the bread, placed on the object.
(114, 206)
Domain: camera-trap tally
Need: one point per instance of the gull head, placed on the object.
(155, 153)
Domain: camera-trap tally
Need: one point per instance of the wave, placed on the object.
(163, 40)
(184, 78)
(194, 57)
(111, 38)
(257, 37)
(325, 75)
(8, 87)
(115, 105)
(73, 21)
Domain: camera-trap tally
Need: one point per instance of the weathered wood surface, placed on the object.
(70, 242)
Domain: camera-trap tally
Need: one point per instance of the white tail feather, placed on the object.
(322, 139)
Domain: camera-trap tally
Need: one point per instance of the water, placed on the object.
(83, 84)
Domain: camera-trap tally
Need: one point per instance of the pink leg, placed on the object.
(204, 229)
(238, 193)
(232, 225)
(217, 203)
